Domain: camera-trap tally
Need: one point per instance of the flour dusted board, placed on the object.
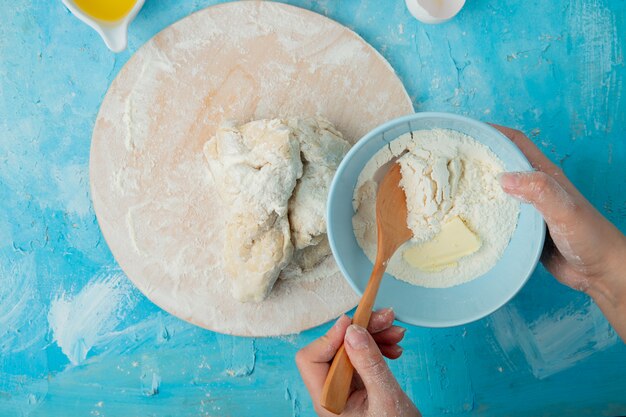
(154, 199)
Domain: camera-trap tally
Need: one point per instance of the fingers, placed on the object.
(551, 258)
(391, 351)
(541, 190)
(561, 268)
(536, 158)
(323, 349)
(368, 362)
(381, 320)
(383, 393)
(391, 336)
(313, 360)
(385, 334)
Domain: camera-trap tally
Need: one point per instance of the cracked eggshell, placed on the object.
(434, 11)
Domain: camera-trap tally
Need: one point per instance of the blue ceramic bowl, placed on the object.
(434, 307)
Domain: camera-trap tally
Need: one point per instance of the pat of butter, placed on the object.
(454, 242)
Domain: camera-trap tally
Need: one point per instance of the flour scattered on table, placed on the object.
(461, 219)
(273, 176)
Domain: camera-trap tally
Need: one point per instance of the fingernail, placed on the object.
(381, 320)
(511, 183)
(510, 179)
(385, 311)
(357, 337)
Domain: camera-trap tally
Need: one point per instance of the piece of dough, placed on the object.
(321, 149)
(274, 175)
(255, 168)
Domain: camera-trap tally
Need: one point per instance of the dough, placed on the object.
(255, 168)
(321, 149)
(273, 176)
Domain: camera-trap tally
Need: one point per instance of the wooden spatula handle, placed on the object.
(337, 385)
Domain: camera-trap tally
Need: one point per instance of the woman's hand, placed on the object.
(583, 250)
(375, 392)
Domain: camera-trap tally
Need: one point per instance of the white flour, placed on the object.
(445, 174)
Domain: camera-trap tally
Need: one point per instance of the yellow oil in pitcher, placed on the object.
(109, 10)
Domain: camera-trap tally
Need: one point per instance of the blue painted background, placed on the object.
(554, 69)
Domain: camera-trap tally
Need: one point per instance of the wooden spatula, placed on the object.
(391, 214)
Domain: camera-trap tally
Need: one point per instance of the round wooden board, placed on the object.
(152, 193)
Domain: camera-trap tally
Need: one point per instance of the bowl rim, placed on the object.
(381, 129)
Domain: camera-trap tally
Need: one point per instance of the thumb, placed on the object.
(368, 362)
(542, 191)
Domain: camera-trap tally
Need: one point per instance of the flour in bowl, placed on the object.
(456, 208)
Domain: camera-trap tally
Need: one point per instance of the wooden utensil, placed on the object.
(391, 215)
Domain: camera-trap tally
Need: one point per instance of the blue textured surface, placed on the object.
(431, 306)
(554, 69)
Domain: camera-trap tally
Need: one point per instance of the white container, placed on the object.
(434, 11)
(115, 33)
